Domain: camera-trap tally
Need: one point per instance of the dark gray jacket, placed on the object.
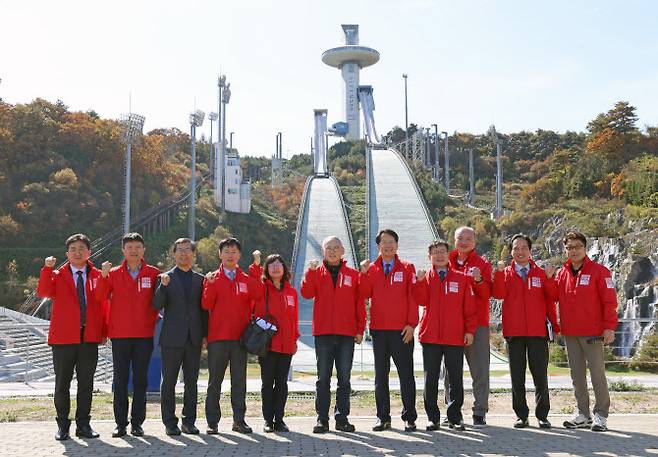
(183, 318)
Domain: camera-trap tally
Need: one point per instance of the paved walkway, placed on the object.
(629, 435)
(307, 384)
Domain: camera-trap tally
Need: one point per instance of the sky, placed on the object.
(522, 65)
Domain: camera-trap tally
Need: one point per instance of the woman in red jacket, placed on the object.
(529, 295)
(278, 304)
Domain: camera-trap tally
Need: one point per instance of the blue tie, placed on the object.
(231, 275)
(524, 273)
(442, 274)
(80, 286)
(387, 269)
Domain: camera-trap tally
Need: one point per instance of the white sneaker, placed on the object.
(599, 424)
(578, 421)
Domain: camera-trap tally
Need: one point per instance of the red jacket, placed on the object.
(129, 313)
(59, 285)
(283, 309)
(337, 310)
(482, 290)
(255, 271)
(526, 304)
(229, 303)
(392, 304)
(588, 301)
(449, 309)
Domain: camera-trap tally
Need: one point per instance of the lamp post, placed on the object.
(447, 164)
(133, 125)
(436, 151)
(499, 171)
(230, 141)
(406, 116)
(196, 120)
(212, 117)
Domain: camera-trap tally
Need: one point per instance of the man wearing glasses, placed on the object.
(588, 318)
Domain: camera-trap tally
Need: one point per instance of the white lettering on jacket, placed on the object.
(398, 276)
(610, 283)
(291, 300)
(347, 281)
(242, 286)
(146, 283)
(454, 287)
(584, 280)
(536, 282)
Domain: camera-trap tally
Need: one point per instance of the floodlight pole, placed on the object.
(406, 116)
(436, 151)
(126, 201)
(447, 164)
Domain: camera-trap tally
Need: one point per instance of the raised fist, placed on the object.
(49, 262)
(105, 268)
(501, 265)
(477, 274)
(313, 264)
(210, 276)
(365, 264)
(164, 279)
(420, 275)
(550, 270)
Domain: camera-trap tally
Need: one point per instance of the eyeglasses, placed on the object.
(332, 248)
(574, 247)
(275, 265)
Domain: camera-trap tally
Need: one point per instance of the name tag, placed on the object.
(291, 300)
(398, 276)
(584, 280)
(242, 287)
(453, 287)
(347, 281)
(610, 283)
(536, 282)
(146, 283)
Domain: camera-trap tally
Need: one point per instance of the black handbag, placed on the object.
(256, 339)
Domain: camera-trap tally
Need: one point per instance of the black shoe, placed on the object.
(345, 427)
(268, 427)
(119, 431)
(280, 426)
(321, 426)
(409, 426)
(241, 427)
(62, 434)
(544, 423)
(86, 431)
(459, 426)
(381, 425)
(479, 421)
(212, 429)
(189, 429)
(433, 426)
(172, 430)
(521, 423)
(136, 430)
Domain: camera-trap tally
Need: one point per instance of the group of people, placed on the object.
(123, 304)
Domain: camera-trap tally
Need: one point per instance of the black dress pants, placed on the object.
(127, 354)
(387, 344)
(274, 368)
(173, 358)
(535, 349)
(67, 358)
(454, 362)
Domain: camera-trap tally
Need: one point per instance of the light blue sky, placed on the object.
(521, 64)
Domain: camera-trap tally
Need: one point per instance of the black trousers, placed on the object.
(330, 350)
(127, 354)
(67, 358)
(220, 354)
(387, 344)
(454, 362)
(274, 368)
(187, 357)
(536, 351)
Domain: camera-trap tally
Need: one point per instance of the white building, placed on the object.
(237, 193)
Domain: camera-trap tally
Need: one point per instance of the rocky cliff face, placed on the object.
(633, 261)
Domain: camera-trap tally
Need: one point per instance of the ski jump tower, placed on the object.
(350, 59)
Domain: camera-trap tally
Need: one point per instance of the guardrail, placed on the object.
(300, 220)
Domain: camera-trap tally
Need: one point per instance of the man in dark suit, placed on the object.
(184, 331)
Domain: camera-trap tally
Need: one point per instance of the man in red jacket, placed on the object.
(448, 324)
(465, 259)
(529, 294)
(588, 318)
(76, 328)
(131, 326)
(228, 294)
(393, 316)
(339, 318)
